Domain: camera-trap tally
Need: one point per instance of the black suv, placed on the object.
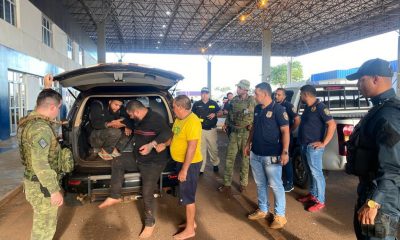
(91, 176)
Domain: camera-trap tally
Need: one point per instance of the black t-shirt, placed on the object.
(267, 133)
(290, 111)
(100, 114)
(202, 110)
(313, 123)
(152, 127)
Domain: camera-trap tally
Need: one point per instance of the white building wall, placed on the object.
(26, 38)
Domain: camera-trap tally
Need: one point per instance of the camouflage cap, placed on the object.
(244, 84)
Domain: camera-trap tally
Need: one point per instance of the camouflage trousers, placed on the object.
(44, 214)
(237, 142)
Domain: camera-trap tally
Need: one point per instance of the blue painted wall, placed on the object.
(16, 61)
(341, 74)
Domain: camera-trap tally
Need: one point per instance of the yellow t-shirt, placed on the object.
(185, 130)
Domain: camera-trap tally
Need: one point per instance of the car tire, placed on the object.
(71, 200)
(300, 173)
(175, 191)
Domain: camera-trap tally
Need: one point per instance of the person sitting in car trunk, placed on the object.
(152, 135)
(106, 124)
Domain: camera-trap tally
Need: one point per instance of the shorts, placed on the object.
(187, 189)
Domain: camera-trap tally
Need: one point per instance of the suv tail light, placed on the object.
(344, 131)
(172, 176)
(74, 182)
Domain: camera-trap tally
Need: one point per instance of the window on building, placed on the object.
(70, 49)
(81, 56)
(47, 34)
(7, 11)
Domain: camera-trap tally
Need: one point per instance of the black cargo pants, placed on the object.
(150, 174)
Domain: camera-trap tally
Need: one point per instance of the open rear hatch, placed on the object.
(118, 75)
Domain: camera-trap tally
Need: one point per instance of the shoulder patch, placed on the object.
(326, 111)
(285, 116)
(43, 143)
(293, 109)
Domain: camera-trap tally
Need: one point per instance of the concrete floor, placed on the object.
(217, 216)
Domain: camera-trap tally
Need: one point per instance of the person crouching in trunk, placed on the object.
(106, 124)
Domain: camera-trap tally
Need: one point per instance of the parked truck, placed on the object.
(347, 107)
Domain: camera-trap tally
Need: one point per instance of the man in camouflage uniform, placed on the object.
(239, 121)
(39, 150)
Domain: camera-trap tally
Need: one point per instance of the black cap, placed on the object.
(373, 67)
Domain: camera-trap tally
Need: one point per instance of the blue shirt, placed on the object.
(313, 123)
(267, 133)
(290, 111)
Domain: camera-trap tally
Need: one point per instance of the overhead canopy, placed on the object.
(233, 27)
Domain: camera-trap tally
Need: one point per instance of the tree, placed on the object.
(220, 92)
(279, 73)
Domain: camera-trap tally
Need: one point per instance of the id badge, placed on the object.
(275, 159)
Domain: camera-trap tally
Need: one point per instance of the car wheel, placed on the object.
(175, 191)
(72, 199)
(300, 172)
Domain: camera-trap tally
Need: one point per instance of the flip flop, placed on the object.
(115, 154)
(105, 156)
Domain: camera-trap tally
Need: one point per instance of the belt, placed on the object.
(238, 130)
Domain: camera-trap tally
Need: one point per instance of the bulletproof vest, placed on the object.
(241, 113)
(362, 152)
(24, 131)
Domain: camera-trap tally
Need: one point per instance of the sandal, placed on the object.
(105, 156)
(115, 154)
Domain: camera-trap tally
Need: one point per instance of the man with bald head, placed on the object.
(374, 154)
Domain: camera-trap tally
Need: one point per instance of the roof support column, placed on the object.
(289, 71)
(209, 74)
(266, 56)
(101, 42)
(398, 64)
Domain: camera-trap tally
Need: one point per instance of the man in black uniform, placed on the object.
(374, 154)
(105, 127)
(207, 110)
(294, 121)
(152, 135)
(315, 132)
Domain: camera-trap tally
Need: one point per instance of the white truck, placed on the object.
(347, 107)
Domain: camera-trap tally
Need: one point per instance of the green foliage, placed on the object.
(279, 73)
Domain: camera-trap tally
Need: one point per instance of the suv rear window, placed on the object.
(338, 98)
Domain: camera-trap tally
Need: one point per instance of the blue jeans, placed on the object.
(313, 163)
(267, 173)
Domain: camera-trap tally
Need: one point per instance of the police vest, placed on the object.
(60, 160)
(362, 153)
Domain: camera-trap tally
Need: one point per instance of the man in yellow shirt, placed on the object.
(186, 151)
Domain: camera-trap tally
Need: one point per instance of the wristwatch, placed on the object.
(373, 204)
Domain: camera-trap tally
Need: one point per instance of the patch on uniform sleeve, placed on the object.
(43, 143)
(285, 116)
(389, 136)
(326, 111)
(293, 109)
